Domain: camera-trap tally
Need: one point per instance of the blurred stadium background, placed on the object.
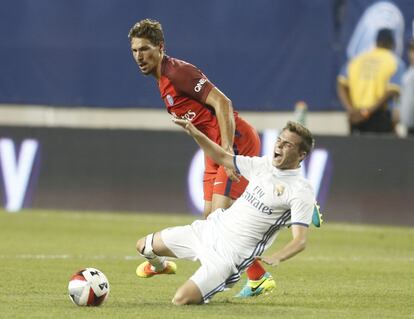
(82, 129)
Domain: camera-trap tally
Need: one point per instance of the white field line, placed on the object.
(310, 258)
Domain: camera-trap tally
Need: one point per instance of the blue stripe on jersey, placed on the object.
(228, 187)
(235, 149)
(214, 291)
(256, 252)
(235, 164)
(229, 182)
(262, 244)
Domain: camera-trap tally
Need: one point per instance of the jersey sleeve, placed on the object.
(302, 205)
(189, 80)
(395, 80)
(249, 166)
(343, 74)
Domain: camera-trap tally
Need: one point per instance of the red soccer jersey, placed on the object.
(184, 89)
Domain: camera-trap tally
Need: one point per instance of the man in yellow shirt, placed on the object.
(369, 83)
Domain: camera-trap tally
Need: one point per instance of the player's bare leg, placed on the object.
(219, 201)
(155, 251)
(187, 294)
(207, 208)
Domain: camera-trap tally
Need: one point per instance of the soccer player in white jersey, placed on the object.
(228, 241)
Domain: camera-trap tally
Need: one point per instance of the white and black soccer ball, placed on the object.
(88, 287)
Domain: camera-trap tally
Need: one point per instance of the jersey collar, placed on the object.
(283, 172)
(163, 63)
(286, 172)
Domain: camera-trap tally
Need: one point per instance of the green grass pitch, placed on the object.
(347, 271)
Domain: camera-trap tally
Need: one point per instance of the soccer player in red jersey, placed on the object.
(188, 94)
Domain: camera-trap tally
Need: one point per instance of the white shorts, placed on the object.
(199, 241)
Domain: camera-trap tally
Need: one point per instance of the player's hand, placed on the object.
(269, 260)
(188, 127)
(232, 174)
(366, 113)
(355, 116)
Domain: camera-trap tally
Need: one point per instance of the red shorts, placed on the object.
(246, 142)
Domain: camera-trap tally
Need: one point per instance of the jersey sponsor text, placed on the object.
(256, 203)
(199, 85)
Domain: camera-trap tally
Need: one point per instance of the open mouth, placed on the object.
(277, 155)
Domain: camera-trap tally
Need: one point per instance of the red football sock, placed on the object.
(255, 271)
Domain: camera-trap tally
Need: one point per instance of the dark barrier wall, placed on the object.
(104, 169)
(372, 179)
(264, 54)
(365, 179)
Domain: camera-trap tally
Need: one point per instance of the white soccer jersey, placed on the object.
(273, 199)
(230, 240)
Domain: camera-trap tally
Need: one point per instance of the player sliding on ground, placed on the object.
(277, 196)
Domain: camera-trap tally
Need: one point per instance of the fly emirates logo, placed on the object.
(254, 200)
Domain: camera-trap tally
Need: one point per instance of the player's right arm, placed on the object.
(344, 96)
(296, 245)
(211, 149)
(355, 116)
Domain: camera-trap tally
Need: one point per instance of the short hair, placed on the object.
(148, 29)
(308, 142)
(385, 38)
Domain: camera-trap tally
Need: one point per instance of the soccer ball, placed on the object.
(88, 287)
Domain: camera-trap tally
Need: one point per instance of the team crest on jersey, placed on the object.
(170, 100)
(279, 190)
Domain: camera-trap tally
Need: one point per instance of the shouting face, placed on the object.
(287, 153)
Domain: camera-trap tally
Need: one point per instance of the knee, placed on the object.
(180, 299)
(187, 294)
(140, 245)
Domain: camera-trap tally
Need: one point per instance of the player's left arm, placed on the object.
(296, 245)
(342, 89)
(391, 93)
(192, 82)
(223, 108)
(224, 113)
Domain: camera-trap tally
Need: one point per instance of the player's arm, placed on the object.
(354, 115)
(342, 89)
(223, 108)
(344, 96)
(224, 112)
(390, 94)
(211, 149)
(190, 81)
(296, 245)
